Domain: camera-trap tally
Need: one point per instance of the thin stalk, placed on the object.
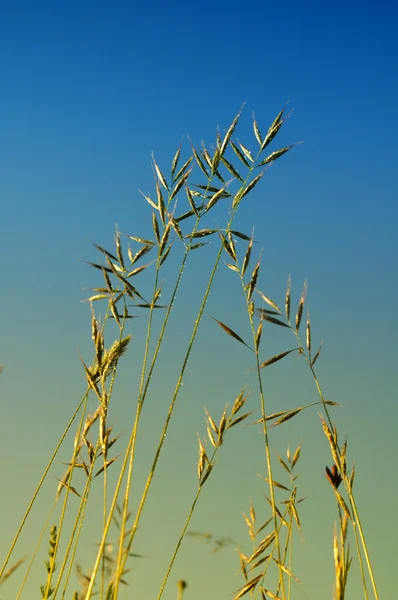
(41, 483)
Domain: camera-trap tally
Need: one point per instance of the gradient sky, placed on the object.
(88, 91)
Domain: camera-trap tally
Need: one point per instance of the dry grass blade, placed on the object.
(231, 332)
(275, 358)
(288, 416)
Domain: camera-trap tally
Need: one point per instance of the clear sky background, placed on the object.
(88, 91)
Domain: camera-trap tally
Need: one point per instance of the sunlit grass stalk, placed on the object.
(265, 428)
(347, 486)
(185, 362)
(76, 450)
(43, 477)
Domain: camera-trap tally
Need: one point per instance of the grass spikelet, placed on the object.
(183, 169)
(287, 298)
(161, 207)
(287, 416)
(275, 358)
(200, 163)
(247, 256)
(246, 152)
(160, 176)
(141, 252)
(269, 301)
(316, 355)
(248, 587)
(175, 161)
(308, 336)
(231, 332)
(239, 154)
(301, 306)
(275, 155)
(253, 280)
(239, 402)
(180, 184)
(257, 131)
(207, 474)
(229, 133)
(232, 169)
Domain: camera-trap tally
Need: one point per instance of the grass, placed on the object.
(131, 274)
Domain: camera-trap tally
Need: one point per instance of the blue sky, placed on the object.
(88, 91)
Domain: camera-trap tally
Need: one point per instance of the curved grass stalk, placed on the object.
(41, 536)
(346, 482)
(63, 512)
(84, 399)
(266, 437)
(246, 187)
